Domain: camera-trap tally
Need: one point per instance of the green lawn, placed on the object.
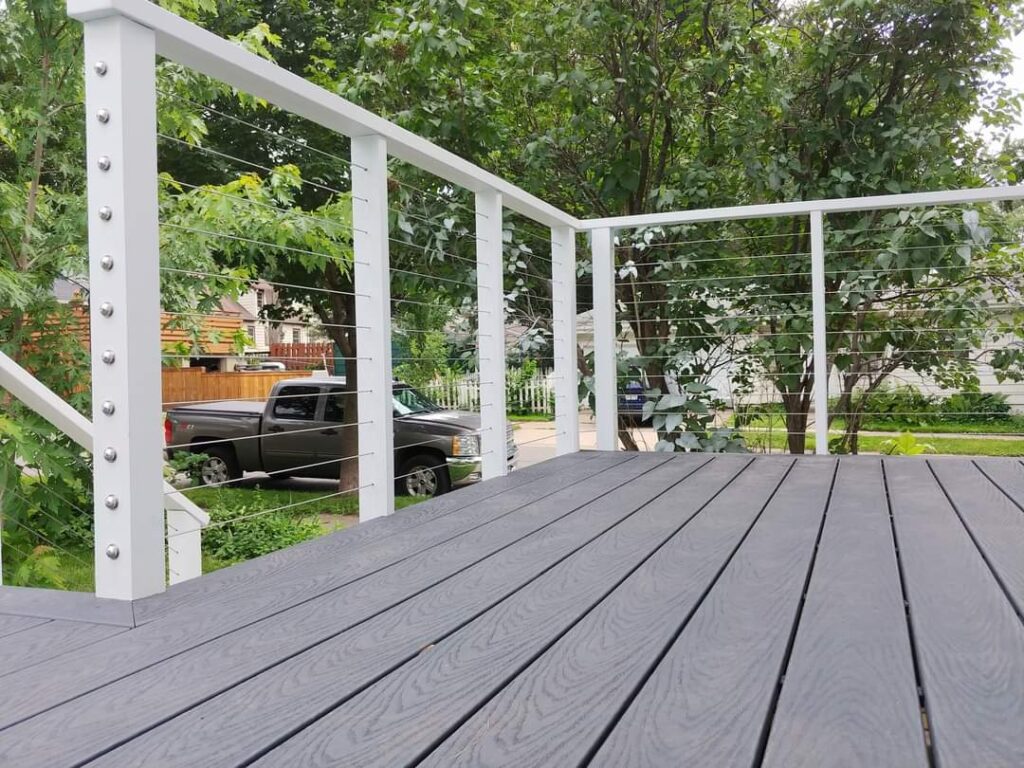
(951, 446)
(513, 417)
(1013, 425)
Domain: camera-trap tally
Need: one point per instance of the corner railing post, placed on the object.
(563, 292)
(490, 275)
(124, 299)
(605, 390)
(820, 333)
(373, 326)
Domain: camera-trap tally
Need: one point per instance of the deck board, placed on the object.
(164, 689)
(295, 585)
(299, 690)
(970, 641)
(600, 609)
(850, 694)
(994, 521)
(219, 585)
(707, 701)
(50, 640)
(10, 625)
(593, 667)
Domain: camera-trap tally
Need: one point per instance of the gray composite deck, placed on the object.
(602, 609)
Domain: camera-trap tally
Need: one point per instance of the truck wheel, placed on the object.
(424, 475)
(221, 465)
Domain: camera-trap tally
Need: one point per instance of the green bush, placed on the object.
(901, 405)
(909, 407)
(242, 533)
(976, 406)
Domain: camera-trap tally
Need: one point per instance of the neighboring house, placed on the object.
(265, 332)
(218, 330)
(216, 335)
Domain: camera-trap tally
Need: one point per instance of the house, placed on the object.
(217, 347)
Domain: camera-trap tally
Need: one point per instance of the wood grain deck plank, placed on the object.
(707, 701)
(969, 639)
(166, 689)
(850, 695)
(33, 691)
(71, 606)
(1008, 474)
(995, 522)
(216, 585)
(10, 625)
(400, 718)
(241, 723)
(49, 640)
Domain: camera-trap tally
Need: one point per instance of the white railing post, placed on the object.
(490, 343)
(820, 333)
(563, 292)
(373, 321)
(606, 401)
(124, 299)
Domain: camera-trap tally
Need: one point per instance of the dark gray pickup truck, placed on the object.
(296, 432)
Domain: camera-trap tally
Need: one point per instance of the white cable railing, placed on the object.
(510, 253)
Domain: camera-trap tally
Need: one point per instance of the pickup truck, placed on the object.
(296, 433)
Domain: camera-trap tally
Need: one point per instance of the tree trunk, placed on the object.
(340, 314)
(796, 421)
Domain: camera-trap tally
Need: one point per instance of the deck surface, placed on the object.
(600, 609)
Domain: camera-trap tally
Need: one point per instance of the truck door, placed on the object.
(292, 430)
(336, 423)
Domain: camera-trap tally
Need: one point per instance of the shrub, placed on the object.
(910, 407)
(975, 406)
(242, 533)
(901, 405)
(684, 422)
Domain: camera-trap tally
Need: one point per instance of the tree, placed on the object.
(650, 106)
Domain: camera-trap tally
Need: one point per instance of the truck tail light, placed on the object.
(167, 431)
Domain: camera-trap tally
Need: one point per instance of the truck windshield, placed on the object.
(409, 401)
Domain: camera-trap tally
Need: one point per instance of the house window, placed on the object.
(251, 330)
(296, 335)
(259, 300)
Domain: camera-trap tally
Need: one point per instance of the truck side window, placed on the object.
(334, 408)
(296, 403)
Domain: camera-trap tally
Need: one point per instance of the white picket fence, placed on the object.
(534, 395)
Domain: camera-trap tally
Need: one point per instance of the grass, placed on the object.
(950, 446)
(530, 417)
(1013, 425)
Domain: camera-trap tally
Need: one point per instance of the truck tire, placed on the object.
(423, 475)
(221, 465)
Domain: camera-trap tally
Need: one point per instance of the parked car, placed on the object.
(632, 397)
(261, 367)
(299, 435)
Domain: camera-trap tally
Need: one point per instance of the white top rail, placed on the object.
(39, 398)
(805, 207)
(205, 52)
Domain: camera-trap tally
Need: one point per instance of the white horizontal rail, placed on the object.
(205, 52)
(45, 402)
(39, 398)
(806, 207)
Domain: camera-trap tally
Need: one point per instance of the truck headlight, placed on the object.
(466, 445)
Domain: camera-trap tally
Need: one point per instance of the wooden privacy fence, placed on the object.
(190, 385)
(303, 357)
